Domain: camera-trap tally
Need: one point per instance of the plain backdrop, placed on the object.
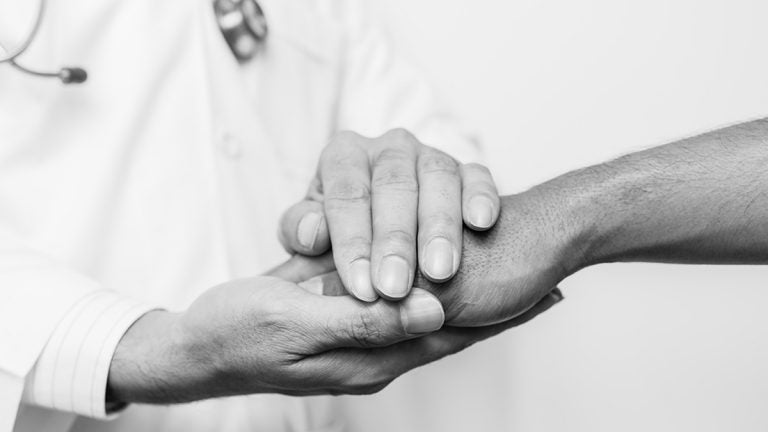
(554, 85)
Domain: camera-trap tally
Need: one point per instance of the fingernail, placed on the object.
(314, 285)
(421, 313)
(557, 295)
(481, 212)
(394, 277)
(439, 259)
(309, 227)
(360, 281)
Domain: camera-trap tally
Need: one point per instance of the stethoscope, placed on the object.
(242, 23)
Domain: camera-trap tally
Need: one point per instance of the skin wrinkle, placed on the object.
(436, 163)
(398, 236)
(394, 178)
(365, 330)
(757, 195)
(346, 193)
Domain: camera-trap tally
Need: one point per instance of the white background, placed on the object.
(553, 85)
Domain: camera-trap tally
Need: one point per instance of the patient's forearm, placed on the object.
(699, 200)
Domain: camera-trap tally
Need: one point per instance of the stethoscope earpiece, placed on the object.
(67, 75)
(73, 75)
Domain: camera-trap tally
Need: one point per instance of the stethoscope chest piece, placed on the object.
(244, 26)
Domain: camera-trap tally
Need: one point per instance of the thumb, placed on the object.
(303, 229)
(350, 323)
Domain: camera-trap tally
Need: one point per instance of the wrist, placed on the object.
(596, 207)
(568, 210)
(155, 363)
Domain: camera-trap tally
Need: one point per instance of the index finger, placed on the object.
(345, 175)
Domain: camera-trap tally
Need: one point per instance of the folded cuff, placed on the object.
(71, 373)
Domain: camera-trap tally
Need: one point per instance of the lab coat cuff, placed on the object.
(71, 373)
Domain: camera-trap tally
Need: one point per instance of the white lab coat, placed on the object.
(167, 171)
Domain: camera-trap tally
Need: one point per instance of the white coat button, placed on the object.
(230, 145)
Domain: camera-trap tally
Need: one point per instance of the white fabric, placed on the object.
(16, 21)
(165, 174)
(71, 373)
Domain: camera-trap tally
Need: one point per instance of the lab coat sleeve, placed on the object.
(58, 330)
(380, 91)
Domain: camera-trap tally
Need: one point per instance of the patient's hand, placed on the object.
(507, 270)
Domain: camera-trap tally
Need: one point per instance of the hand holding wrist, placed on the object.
(267, 335)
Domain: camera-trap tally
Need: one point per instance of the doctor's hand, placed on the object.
(386, 204)
(267, 335)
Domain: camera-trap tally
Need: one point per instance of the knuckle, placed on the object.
(366, 331)
(274, 312)
(395, 178)
(393, 167)
(400, 136)
(343, 138)
(351, 243)
(443, 220)
(354, 246)
(341, 149)
(438, 163)
(392, 155)
(273, 321)
(335, 158)
(346, 191)
(398, 238)
(478, 168)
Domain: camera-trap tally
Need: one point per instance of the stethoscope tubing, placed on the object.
(237, 29)
(10, 58)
